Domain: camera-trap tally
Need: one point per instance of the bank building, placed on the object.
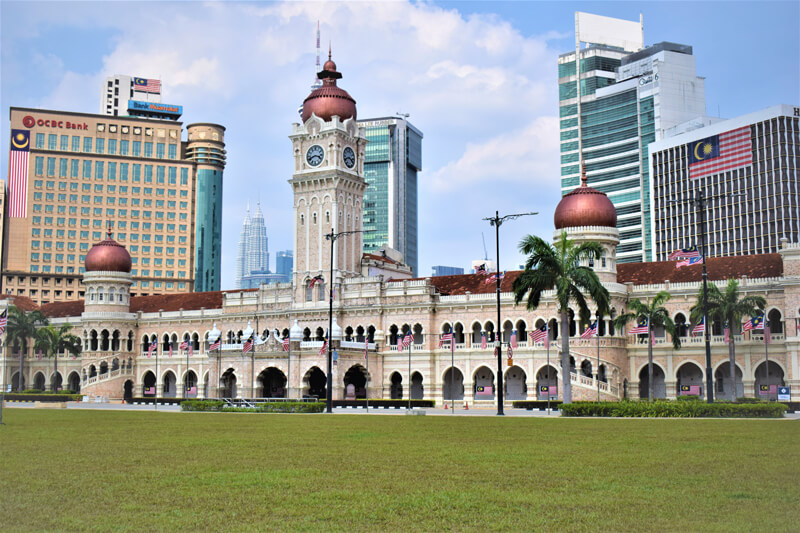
(140, 346)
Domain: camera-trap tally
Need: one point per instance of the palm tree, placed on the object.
(657, 316)
(728, 307)
(21, 327)
(53, 340)
(559, 267)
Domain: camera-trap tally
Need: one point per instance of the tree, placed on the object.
(657, 316)
(728, 307)
(22, 327)
(52, 340)
(558, 266)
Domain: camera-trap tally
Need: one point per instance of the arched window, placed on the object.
(314, 218)
(100, 294)
(775, 321)
(302, 220)
(309, 291)
(321, 291)
(328, 216)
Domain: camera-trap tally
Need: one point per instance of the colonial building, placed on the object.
(132, 345)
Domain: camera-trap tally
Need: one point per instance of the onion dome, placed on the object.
(108, 256)
(585, 207)
(328, 99)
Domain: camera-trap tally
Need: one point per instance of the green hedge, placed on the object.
(401, 404)
(266, 407)
(674, 409)
(43, 397)
(535, 404)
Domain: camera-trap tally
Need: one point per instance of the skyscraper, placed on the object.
(630, 96)
(284, 262)
(441, 270)
(253, 255)
(119, 89)
(393, 158)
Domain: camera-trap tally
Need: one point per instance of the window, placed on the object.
(51, 166)
(123, 172)
(112, 171)
(171, 176)
(98, 170)
(62, 168)
(184, 176)
(74, 168)
(64, 143)
(76, 143)
(148, 149)
(137, 173)
(39, 141)
(112, 146)
(123, 147)
(52, 141)
(87, 169)
(172, 151)
(137, 147)
(99, 146)
(87, 144)
(148, 173)
(160, 150)
(38, 164)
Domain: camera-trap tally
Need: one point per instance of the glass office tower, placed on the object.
(393, 158)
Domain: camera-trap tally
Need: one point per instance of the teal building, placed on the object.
(629, 98)
(392, 160)
(206, 148)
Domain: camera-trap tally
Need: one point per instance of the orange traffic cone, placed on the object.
(445, 405)
(466, 406)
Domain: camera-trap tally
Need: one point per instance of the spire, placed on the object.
(583, 174)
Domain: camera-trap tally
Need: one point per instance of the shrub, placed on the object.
(534, 404)
(43, 397)
(681, 409)
(265, 407)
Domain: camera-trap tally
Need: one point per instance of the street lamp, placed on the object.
(332, 236)
(496, 221)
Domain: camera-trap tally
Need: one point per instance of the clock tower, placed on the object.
(328, 187)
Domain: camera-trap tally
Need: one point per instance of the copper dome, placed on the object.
(585, 207)
(108, 256)
(329, 100)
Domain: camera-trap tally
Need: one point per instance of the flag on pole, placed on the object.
(684, 253)
(408, 340)
(314, 281)
(146, 86)
(18, 175)
(494, 277)
(718, 153)
(540, 335)
(3, 321)
(399, 343)
(183, 346)
(248, 345)
(481, 269)
(641, 326)
(514, 338)
(700, 327)
(590, 331)
(324, 348)
(170, 349)
(483, 340)
(153, 348)
(216, 345)
(191, 349)
(286, 344)
(689, 261)
(150, 390)
(446, 337)
(754, 323)
(767, 334)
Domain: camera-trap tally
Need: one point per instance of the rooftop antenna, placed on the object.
(485, 253)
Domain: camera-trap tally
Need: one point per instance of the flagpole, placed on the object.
(219, 369)
(155, 401)
(766, 356)
(547, 343)
(409, 371)
(186, 389)
(3, 392)
(289, 367)
(366, 358)
(452, 364)
(597, 336)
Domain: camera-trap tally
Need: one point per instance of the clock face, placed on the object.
(314, 155)
(349, 157)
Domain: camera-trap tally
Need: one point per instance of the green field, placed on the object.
(73, 470)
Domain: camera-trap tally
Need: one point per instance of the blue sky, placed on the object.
(478, 78)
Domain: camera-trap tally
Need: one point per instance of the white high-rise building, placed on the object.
(253, 253)
(118, 89)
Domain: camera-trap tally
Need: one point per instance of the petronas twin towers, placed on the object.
(253, 256)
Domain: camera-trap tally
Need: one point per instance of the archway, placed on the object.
(355, 382)
(92, 371)
(547, 383)
(38, 381)
(272, 383)
(170, 385)
(722, 380)
(56, 381)
(775, 318)
(103, 368)
(417, 389)
(586, 368)
(15, 384)
(315, 383)
(190, 385)
(127, 391)
(396, 389)
(149, 384)
(74, 382)
(483, 384)
(767, 387)
(659, 384)
(515, 388)
(453, 384)
(690, 375)
(229, 384)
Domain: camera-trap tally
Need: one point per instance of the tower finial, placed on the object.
(329, 50)
(583, 174)
(108, 229)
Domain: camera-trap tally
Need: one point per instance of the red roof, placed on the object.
(22, 302)
(381, 258)
(719, 268)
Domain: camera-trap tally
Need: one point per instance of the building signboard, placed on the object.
(155, 107)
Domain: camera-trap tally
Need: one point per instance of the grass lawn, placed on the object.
(72, 470)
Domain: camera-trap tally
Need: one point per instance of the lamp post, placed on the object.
(213, 336)
(496, 221)
(332, 236)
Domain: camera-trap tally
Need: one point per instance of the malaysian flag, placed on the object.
(690, 390)
(483, 390)
(684, 253)
(192, 390)
(216, 345)
(191, 349)
(590, 331)
(483, 340)
(494, 277)
(754, 323)
(314, 281)
(689, 261)
(399, 343)
(153, 348)
(407, 340)
(3, 321)
(184, 345)
(150, 390)
(540, 335)
(170, 349)
(146, 86)
(726, 151)
(324, 348)
(446, 337)
(514, 338)
(18, 173)
(700, 327)
(767, 389)
(481, 269)
(248, 345)
(286, 344)
(641, 327)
